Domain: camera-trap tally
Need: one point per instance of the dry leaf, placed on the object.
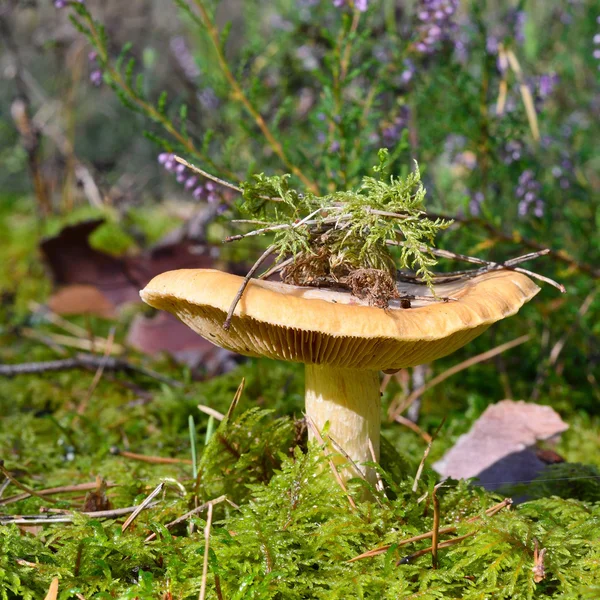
(499, 448)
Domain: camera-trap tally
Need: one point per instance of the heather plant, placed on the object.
(285, 109)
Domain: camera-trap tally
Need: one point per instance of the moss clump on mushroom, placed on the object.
(345, 239)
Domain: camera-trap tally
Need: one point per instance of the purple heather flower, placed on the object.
(360, 5)
(436, 25)
(519, 25)
(527, 192)
(475, 202)
(96, 77)
(392, 132)
(184, 57)
(180, 169)
(512, 151)
(163, 157)
(198, 193)
(63, 3)
(409, 71)
(92, 56)
(334, 146)
(546, 84)
(191, 182)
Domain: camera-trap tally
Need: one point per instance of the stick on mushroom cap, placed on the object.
(327, 327)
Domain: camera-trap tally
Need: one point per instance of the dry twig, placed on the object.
(399, 405)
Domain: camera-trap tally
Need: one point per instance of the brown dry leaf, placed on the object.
(72, 261)
(499, 448)
(80, 299)
(96, 500)
(52, 590)
(165, 333)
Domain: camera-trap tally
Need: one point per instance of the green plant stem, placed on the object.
(146, 107)
(238, 94)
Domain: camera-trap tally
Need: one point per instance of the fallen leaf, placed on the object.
(97, 283)
(81, 299)
(164, 333)
(72, 261)
(500, 447)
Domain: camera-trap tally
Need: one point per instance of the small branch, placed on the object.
(238, 296)
(202, 594)
(65, 489)
(198, 170)
(211, 412)
(488, 265)
(425, 455)
(155, 460)
(147, 501)
(191, 513)
(413, 426)
(394, 409)
(423, 536)
(27, 490)
(65, 518)
(435, 532)
(82, 361)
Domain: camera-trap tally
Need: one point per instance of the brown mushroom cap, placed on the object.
(329, 327)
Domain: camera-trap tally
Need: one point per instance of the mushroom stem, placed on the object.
(349, 400)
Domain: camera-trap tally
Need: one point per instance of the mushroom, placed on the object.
(343, 341)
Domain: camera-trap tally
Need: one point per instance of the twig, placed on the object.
(525, 94)
(394, 412)
(65, 489)
(202, 594)
(435, 532)
(490, 512)
(276, 267)
(211, 412)
(147, 501)
(200, 171)
(155, 460)
(3, 487)
(82, 361)
(354, 466)
(97, 345)
(52, 590)
(68, 518)
(379, 485)
(236, 398)
(488, 265)
(425, 455)
(560, 344)
(191, 513)
(21, 486)
(238, 296)
(412, 426)
(446, 544)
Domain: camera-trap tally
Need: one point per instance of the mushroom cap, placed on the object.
(330, 327)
